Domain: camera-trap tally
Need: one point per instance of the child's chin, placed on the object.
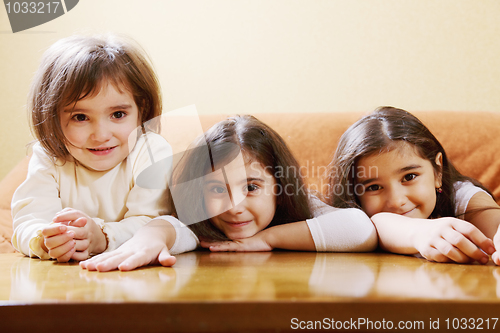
(240, 235)
(416, 214)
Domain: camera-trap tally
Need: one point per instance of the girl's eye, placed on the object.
(409, 177)
(252, 187)
(119, 114)
(218, 189)
(80, 117)
(372, 188)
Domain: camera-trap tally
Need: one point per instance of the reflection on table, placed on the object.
(280, 276)
(279, 281)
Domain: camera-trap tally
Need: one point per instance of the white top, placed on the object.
(112, 198)
(185, 238)
(464, 191)
(332, 229)
(341, 229)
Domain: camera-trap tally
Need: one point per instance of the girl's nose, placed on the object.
(101, 132)
(396, 198)
(238, 204)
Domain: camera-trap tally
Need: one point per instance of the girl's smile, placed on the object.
(97, 128)
(102, 151)
(398, 181)
(237, 224)
(239, 198)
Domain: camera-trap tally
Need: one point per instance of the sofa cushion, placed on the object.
(471, 142)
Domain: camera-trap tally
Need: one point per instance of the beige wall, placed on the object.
(254, 56)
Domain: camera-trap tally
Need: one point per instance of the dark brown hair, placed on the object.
(381, 131)
(76, 67)
(225, 140)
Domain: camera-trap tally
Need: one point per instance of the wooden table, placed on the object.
(246, 292)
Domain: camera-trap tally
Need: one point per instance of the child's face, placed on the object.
(398, 181)
(98, 127)
(240, 197)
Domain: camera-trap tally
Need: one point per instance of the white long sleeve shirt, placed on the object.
(112, 198)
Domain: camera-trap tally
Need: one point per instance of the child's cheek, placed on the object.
(367, 205)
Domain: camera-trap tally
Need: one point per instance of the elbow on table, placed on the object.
(367, 236)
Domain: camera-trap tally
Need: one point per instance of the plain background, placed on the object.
(263, 56)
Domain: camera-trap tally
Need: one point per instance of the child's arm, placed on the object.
(484, 213)
(339, 230)
(34, 204)
(442, 240)
(151, 244)
(38, 200)
(291, 236)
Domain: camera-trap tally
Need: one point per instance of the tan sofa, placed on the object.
(471, 141)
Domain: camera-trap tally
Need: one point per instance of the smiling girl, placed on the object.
(89, 101)
(391, 166)
(230, 188)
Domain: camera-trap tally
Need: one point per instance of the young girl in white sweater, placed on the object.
(92, 102)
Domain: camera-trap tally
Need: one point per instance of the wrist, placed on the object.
(398, 234)
(419, 234)
(269, 237)
(159, 230)
(101, 239)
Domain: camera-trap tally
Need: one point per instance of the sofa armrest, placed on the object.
(7, 188)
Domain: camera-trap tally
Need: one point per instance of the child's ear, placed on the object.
(439, 173)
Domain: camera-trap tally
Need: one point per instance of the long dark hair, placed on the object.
(381, 131)
(219, 145)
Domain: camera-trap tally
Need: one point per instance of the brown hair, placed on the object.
(224, 141)
(381, 131)
(76, 67)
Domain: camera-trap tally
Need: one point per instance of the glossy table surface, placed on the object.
(271, 291)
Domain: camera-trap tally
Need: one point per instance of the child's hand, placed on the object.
(59, 242)
(149, 245)
(256, 243)
(130, 255)
(496, 242)
(88, 236)
(452, 240)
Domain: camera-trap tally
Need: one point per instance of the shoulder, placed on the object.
(318, 207)
(44, 175)
(39, 152)
(41, 160)
(151, 143)
(151, 159)
(466, 189)
(154, 138)
(462, 184)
